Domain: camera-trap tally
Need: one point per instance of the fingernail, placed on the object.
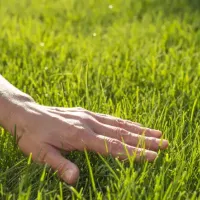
(68, 175)
(163, 144)
(151, 156)
(157, 133)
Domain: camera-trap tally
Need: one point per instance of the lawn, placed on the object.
(138, 60)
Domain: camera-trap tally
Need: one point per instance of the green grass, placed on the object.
(139, 60)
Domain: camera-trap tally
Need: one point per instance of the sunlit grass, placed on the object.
(138, 60)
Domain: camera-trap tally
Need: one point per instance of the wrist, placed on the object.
(12, 107)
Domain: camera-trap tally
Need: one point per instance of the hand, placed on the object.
(45, 131)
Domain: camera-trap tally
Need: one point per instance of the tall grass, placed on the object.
(138, 60)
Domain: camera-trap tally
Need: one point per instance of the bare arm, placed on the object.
(45, 131)
(11, 100)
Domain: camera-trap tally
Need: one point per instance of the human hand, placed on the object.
(45, 131)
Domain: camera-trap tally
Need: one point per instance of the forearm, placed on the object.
(10, 100)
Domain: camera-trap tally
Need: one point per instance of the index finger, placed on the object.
(127, 125)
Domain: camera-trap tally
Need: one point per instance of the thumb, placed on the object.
(67, 170)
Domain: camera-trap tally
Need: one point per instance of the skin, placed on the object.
(46, 131)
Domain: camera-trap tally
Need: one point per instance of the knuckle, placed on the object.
(42, 155)
(115, 146)
(103, 117)
(80, 109)
(140, 130)
(119, 132)
(84, 117)
(129, 121)
(152, 140)
(120, 123)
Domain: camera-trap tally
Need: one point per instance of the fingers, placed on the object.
(45, 153)
(127, 125)
(105, 145)
(117, 128)
(110, 120)
(133, 139)
(67, 170)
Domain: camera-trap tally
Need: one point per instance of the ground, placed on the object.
(138, 60)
